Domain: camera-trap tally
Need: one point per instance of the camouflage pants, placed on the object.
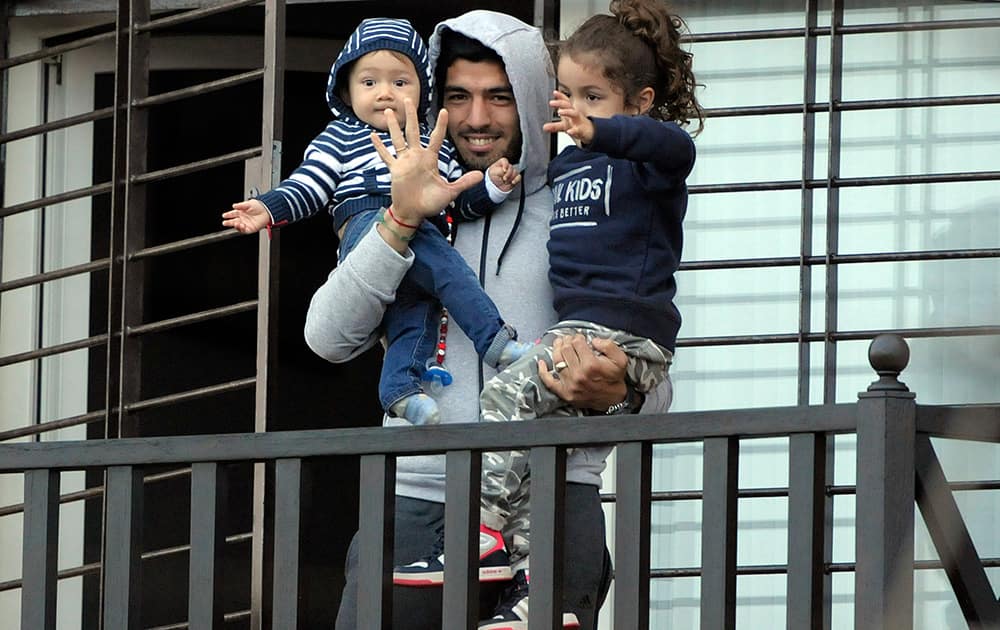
(518, 393)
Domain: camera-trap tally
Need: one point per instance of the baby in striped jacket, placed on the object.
(383, 62)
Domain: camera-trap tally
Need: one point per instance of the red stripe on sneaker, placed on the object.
(417, 581)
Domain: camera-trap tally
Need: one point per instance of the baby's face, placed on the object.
(379, 81)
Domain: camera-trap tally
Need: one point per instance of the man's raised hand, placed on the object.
(418, 188)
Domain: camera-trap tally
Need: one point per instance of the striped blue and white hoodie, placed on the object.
(341, 170)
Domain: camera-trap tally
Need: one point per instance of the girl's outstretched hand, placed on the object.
(247, 217)
(576, 125)
(418, 189)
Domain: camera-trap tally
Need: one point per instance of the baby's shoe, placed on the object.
(512, 351)
(417, 409)
(505, 348)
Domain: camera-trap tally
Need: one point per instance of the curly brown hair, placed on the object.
(639, 46)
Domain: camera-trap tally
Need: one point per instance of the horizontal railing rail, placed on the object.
(140, 405)
(401, 441)
(980, 423)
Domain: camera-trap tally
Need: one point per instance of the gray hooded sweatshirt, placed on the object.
(345, 311)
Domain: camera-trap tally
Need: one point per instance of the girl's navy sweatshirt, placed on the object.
(616, 236)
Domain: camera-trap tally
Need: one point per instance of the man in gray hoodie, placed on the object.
(496, 105)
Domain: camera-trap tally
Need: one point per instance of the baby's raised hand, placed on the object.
(576, 125)
(503, 175)
(247, 217)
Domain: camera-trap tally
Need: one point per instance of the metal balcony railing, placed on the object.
(896, 468)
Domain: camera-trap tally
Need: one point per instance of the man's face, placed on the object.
(482, 115)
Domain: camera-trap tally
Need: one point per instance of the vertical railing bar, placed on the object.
(806, 530)
(546, 17)
(116, 237)
(205, 578)
(461, 511)
(833, 201)
(807, 200)
(134, 220)
(42, 213)
(376, 532)
(40, 552)
(267, 296)
(831, 290)
(633, 486)
(116, 256)
(288, 495)
(122, 553)
(4, 91)
(718, 537)
(548, 501)
(952, 541)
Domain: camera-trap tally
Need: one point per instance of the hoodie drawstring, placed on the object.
(510, 237)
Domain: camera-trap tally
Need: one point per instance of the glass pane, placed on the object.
(676, 534)
(854, 372)
(731, 71)
(919, 294)
(844, 460)
(763, 463)
(760, 601)
(890, 142)
(935, 605)
(881, 11)
(739, 301)
(740, 15)
(734, 377)
(677, 467)
(954, 370)
(915, 64)
(842, 604)
(675, 603)
(11, 539)
(722, 226)
(843, 529)
(920, 217)
(763, 532)
(749, 149)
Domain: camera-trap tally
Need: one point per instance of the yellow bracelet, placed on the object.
(392, 230)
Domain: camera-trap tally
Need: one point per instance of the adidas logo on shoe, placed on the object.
(494, 563)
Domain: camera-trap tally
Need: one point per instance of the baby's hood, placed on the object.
(380, 34)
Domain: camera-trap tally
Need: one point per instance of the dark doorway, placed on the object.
(311, 393)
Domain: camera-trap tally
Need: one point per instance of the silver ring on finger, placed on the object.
(560, 366)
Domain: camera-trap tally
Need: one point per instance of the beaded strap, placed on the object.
(442, 345)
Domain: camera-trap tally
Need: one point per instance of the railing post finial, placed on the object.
(888, 355)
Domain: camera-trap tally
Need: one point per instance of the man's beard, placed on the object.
(481, 163)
